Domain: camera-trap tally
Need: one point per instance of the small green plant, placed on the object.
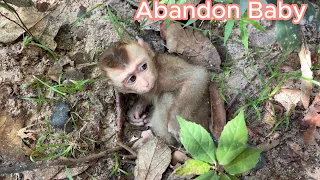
(45, 151)
(30, 40)
(232, 157)
(116, 167)
(243, 28)
(79, 19)
(62, 89)
(68, 173)
(118, 23)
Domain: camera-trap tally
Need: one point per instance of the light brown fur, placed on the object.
(170, 84)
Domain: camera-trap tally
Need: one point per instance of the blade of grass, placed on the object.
(85, 14)
(48, 50)
(50, 87)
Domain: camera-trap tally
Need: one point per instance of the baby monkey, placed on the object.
(171, 85)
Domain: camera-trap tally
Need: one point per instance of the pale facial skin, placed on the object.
(137, 76)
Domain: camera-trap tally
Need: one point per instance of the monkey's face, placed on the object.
(139, 74)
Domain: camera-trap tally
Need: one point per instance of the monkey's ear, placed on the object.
(146, 47)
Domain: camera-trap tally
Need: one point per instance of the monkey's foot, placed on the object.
(145, 137)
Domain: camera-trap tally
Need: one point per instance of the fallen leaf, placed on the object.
(273, 112)
(192, 45)
(10, 143)
(24, 133)
(312, 118)
(10, 31)
(288, 98)
(298, 150)
(306, 86)
(269, 144)
(152, 160)
(73, 172)
(218, 112)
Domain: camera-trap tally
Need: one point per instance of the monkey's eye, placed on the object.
(132, 79)
(143, 67)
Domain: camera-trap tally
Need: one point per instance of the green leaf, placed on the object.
(287, 36)
(255, 24)
(233, 140)
(192, 166)
(243, 5)
(68, 174)
(228, 30)
(244, 162)
(228, 177)
(197, 141)
(190, 21)
(163, 1)
(180, 2)
(318, 19)
(53, 54)
(310, 12)
(210, 175)
(244, 34)
(171, 2)
(224, 177)
(224, 1)
(26, 40)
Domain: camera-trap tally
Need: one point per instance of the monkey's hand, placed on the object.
(137, 115)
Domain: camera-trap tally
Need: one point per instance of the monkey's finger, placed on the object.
(136, 120)
(137, 115)
(137, 123)
(143, 116)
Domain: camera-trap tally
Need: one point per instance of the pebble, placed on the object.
(60, 116)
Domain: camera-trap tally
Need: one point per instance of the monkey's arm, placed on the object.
(192, 96)
(137, 114)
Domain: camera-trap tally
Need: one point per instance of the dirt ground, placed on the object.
(93, 109)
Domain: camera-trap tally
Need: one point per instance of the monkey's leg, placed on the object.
(159, 118)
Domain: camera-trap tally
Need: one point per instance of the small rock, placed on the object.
(42, 6)
(80, 58)
(65, 60)
(82, 11)
(55, 71)
(61, 116)
(73, 74)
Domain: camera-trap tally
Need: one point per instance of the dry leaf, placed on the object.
(312, 118)
(273, 111)
(269, 144)
(306, 86)
(9, 31)
(153, 159)
(10, 143)
(24, 133)
(73, 172)
(218, 112)
(298, 150)
(288, 98)
(192, 45)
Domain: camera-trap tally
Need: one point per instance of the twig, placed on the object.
(120, 114)
(15, 12)
(126, 147)
(12, 21)
(61, 162)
